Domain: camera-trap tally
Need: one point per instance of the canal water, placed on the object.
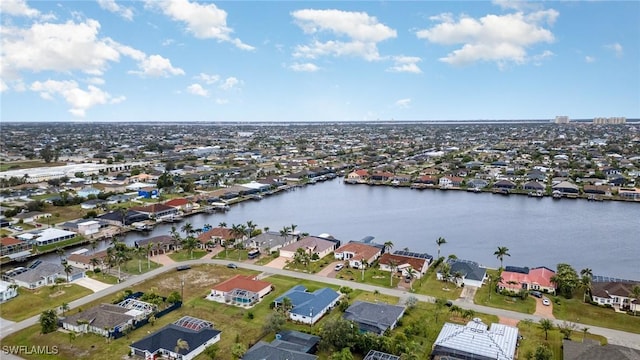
(603, 236)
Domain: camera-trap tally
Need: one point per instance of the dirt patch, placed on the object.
(57, 293)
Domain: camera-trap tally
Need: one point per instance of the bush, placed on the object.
(97, 270)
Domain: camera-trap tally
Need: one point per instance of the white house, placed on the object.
(88, 227)
(7, 291)
(311, 245)
(357, 253)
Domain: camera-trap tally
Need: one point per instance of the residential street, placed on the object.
(614, 336)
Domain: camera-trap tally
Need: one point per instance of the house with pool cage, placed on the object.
(240, 290)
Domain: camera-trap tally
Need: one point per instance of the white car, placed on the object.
(546, 302)
(339, 267)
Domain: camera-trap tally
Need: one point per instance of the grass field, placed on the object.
(575, 310)
(103, 277)
(527, 306)
(533, 335)
(184, 255)
(32, 302)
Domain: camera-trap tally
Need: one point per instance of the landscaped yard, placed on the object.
(533, 335)
(575, 310)
(103, 277)
(430, 285)
(33, 302)
(513, 303)
(184, 255)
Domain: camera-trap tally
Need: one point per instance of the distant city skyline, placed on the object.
(295, 61)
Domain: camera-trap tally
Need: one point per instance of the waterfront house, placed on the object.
(470, 273)
(476, 340)
(375, 318)
(402, 263)
(198, 334)
(597, 189)
(156, 211)
(123, 217)
(160, 244)
(615, 293)
(450, 181)
(427, 180)
(7, 291)
(10, 246)
(629, 193)
(566, 187)
(215, 236)
(534, 186)
(504, 185)
(240, 290)
(46, 236)
(381, 176)
(83, 259)
(181, 204)
(288, 344)
(355, 253)
(89, 227)
(477, 183)
(270, 241)
(312, 245)
(101, 319)
(308, 307)
(358, 175)
(515, 279)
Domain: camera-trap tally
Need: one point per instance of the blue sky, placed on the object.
(187, 60)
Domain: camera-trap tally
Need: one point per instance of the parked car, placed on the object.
(546, 302)
(537, 294)
(339, 267)
(232, 266)
(449, 303)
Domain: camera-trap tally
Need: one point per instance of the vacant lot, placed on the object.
(32, 302)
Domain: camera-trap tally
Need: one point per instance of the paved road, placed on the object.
(613, 336)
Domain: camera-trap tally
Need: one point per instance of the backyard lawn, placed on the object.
(575, 310)
(33, 302)
(513, 303)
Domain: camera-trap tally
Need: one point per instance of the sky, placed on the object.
(272, 61)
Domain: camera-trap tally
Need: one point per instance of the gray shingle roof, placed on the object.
(374, 317)
(591, 350)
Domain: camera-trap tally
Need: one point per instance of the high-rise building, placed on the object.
(562, 119)
(610, 120)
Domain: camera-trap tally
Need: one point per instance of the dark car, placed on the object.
(232, 266)
(449, 303)
(537, 294)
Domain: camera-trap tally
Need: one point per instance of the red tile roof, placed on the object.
(361, 251)
(244, 282)
(177, 202)
(8, 241)
(541, 276)
(153, 208)
(415, 263)
(218, 232)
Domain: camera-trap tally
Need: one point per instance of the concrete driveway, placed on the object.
(91, 284)
(468, 293)
(329, 270)
(544, 310)
(278, 263)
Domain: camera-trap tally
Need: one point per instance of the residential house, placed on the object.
(629, 193)
(358, 175)
(476, 340)
(89, 227)
(216, 236)
(102, 319)
(376, 318)
(156, 211)
(83, 259)
(88, 191)
(10, 246)
(504, 185)
(450, 181)
(566, 187)
(182, 204)
(31, 216)
(597, 189)
(7, 291)
(124, 217)
(593, 350)
(289, 344)
(160, 244)
(534, 186)
(536, 175)
(469, 273)
(270, 241)
(93, 204)
(46, 236)
(44, 274)
(402, 263)
(357, 254)
(615, 293)
(198, 335)
(143, 178)
(539, 279)
(477, 183)
(312, 245)
(308, 307)
(427, 180)
(240, 290)
(149, 192)
(381, 176)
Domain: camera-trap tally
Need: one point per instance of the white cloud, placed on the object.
(110, 5)
(306, 67)
(589, 59)
(405, 64)
(362, 33)
(616, 48)
(197, 89)
(57, 47)
(95, 81)
(79, 99)
(17, 8)
(230, 83)
(208, 79)
(157, 66)
(3, 86)
(403, 103)
(495, 38)
(203, 21)
(221, 101)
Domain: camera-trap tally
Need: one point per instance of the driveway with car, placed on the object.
(545, 311)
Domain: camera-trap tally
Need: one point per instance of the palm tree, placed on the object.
(187, 228)
(148, 249)
(493, 279)
(293, 228)
(94, 261)
(440, 241)
(181, 345)
(393, 265)
(222, 224)
(68, 269)
(60, 253)
(94, 246)
(546, 325)
(388, 246)
(501, 253)
(251, 227)
(190, 243)
(139, 252)
(175, 235)
(64, 307)
(284, 232)
(286, 306)
(363, 263)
